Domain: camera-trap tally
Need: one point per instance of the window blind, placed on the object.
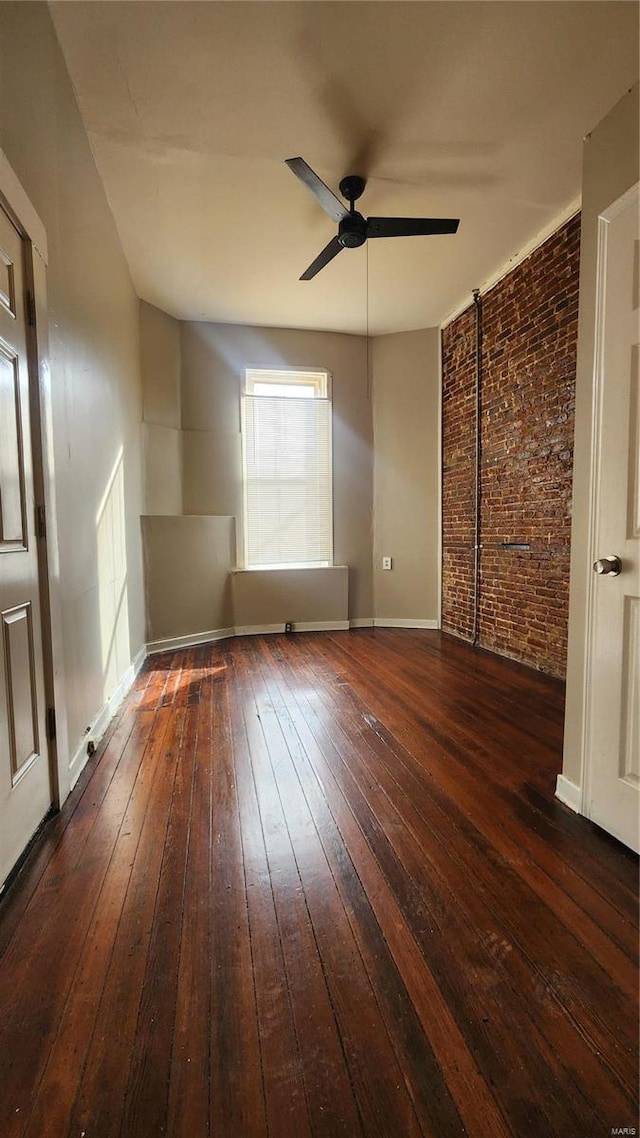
(287, 481)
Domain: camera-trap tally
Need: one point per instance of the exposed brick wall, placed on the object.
(458, 466)
(530, 325)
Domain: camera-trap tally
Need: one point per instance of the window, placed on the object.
(286, 453)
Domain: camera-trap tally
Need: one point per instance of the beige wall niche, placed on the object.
(611, 163)
(93, 418)
(307, 598)
(406, 424)
(214, 358)
(188, 561)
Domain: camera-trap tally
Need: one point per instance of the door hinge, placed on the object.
(31, 309)
(51, 723)
(41, 521)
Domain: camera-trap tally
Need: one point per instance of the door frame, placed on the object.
(16, 203)
(593, 545)
(610, 158)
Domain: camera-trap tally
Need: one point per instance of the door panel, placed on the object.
(25, 784)
(21, 687)
(13, 523)
(612, 781)
(7, 284)
(630, 765)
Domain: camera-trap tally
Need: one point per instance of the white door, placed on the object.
(25, 786)
(612, 782)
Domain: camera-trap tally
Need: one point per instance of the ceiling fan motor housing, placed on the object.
(352, 187)
(352, 231)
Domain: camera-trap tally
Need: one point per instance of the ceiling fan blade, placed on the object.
(410, 226)
(327, 199)
(328, 253)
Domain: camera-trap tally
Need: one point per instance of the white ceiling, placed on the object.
(457, 109)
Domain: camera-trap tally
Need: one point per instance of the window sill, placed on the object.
(288, 568)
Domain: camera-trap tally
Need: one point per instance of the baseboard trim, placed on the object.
(171, 643)
(404, 622)
(102, 720)
(569, 793)
(257, 629)
(297, 626)
(321, 626)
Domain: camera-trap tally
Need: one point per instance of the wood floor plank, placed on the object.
(523, 684)
(328, 1090)
(445, 753)
(319, 885)
(44, 957)
(493, 1033)
(101, 1091)
(148, 1083)
(422, 1072)
(99, 771)
(245, 965)
(60, 1080)
(153, 679)
(588, 997)
(502, 972)
(602, 862)
(189, 1089)
(554, 857)
(474, 1098)
(376, 1074)
(284, 1090)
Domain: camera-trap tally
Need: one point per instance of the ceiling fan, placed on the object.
(353, 228)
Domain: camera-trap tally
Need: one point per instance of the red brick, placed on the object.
(529, 323)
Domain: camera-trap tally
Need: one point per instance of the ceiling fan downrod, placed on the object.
(352, 230)
(352, 188)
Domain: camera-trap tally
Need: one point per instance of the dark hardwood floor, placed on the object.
(319, 885)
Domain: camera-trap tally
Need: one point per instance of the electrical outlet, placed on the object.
(288, 626)
(387, 563)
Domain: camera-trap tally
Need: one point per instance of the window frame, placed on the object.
(321, 379)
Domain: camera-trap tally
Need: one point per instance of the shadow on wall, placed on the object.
(112, 580)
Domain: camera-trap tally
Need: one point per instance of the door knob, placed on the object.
(608, 565)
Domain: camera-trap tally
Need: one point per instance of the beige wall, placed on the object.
(406, 423)
(161, 428)
(162, 454)
(197, 471)
(188, 562)
(95, 387)
(160, 366)
(610, 167)
(274, 597)
(404, 417)
(214, 357)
